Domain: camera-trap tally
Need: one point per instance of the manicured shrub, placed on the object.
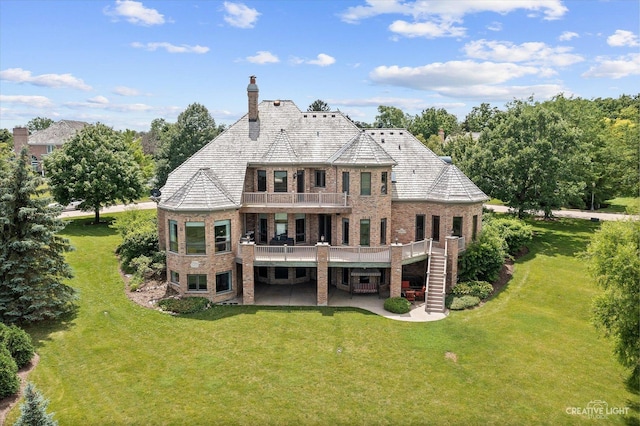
(483, 258)
(480, 289)
(186, 305)
(140, 242)
(397, 305)
(132, 219)
(516, 233)
(9, 381)
(18, 343)
(464, 302)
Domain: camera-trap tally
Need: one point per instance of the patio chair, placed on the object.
(410, 295)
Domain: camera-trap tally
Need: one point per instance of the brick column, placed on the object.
(247, 250)
(395, 283)
(452, 262)
(323, 273)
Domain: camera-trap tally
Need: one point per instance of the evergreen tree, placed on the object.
(319, 105)
(34, 409)
(32, 262)
(193, 130)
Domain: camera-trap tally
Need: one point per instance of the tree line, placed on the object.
(533, 156)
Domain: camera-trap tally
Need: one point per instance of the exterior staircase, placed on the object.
(436, 279)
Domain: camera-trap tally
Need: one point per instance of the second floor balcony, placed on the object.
(307, 202)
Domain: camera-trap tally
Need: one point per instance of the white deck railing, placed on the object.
(285, 254)
(414, 249)
(360, 254)
(319, 199)
(462, 244)
(345, 254)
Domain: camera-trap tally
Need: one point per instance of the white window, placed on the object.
(222, 230)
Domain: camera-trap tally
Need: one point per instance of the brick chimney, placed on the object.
(252, 93)
(441, 134)
(20, 138)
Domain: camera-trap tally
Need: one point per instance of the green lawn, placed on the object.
(525, 357)
(622, 205)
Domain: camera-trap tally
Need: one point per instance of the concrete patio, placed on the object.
(305, 295)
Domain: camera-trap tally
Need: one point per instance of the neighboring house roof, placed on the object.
(58, 133)
(285, 135)
(474, 136)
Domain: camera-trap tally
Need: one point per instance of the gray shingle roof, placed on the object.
(362, 150)
(453, 186)
(58, 133)
(202, 192)
(285, 135)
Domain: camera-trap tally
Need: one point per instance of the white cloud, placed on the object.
(33, 101)
(504, 93)
(92, 103)
(453, 73)
(263, 57)
(171, 48)
(98, 100)
(623, 38)
(18, 75)
(239, 15)
(322, 60)
(126, 91)
(495, 26)
(551, 9)
(529, 53)
(623, 66)
(134, 12)
(568, 35)
(426, 29)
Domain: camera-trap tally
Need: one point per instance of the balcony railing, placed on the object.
(285, 254)
(307, 199)
(419, 248)
(360, 254)
(339, 254)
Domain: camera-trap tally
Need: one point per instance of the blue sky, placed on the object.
(125, 63)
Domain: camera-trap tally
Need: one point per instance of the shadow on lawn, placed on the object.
(84, 227)
(563, 237)
(218, 312)
(41, 332)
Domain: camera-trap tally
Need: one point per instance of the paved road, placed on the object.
(578, 214)
(113, 209)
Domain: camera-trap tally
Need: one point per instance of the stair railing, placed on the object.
(426, 288)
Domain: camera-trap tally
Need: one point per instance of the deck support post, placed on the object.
(396, 270)
(248, 284)
(323, 273)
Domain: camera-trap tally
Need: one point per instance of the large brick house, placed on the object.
(43, 142)
(285, 196)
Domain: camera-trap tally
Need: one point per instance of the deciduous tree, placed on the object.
(33, 267)
(391, 117)
(614, 262)
(431, 120)
(96, 168)
(39, 123)
(531, 159)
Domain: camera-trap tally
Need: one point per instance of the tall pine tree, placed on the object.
(32, 262)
